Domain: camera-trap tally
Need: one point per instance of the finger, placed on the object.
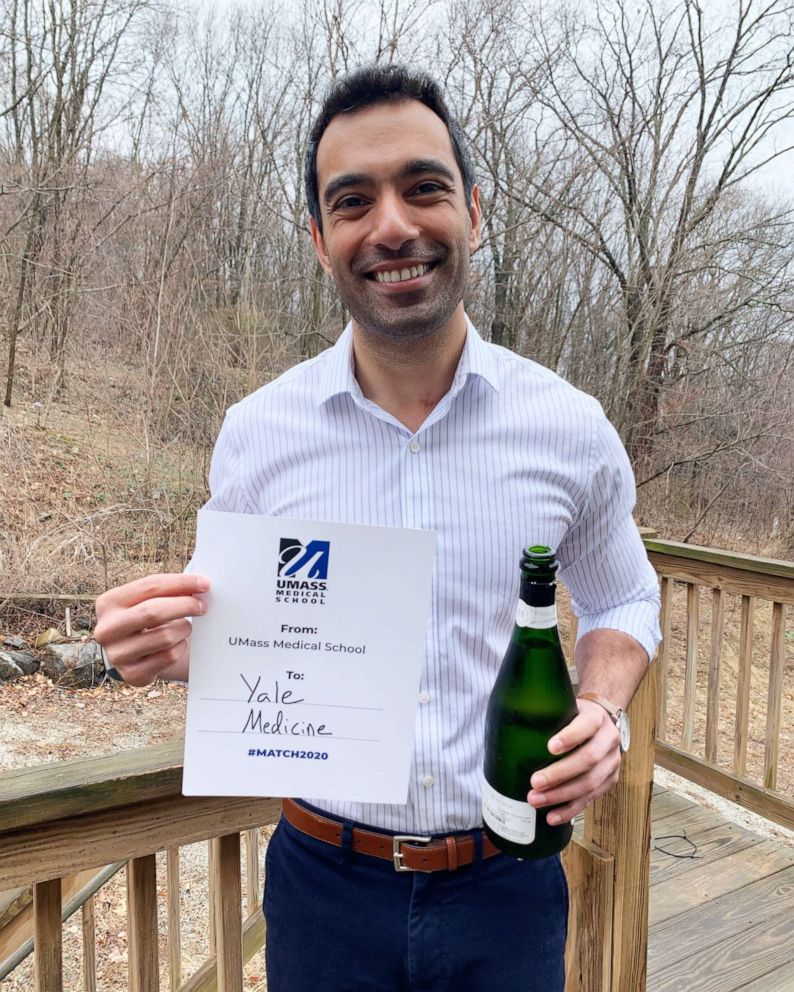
(120, 623)
(580, 729)
(145, 670)
(566, 812)
(152, 587)
(586, 784)
(605, 740)
(149, 642)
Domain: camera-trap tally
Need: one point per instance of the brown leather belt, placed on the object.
(407, 852)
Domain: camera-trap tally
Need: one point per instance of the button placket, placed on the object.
(413, 487)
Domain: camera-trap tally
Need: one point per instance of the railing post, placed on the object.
(619, 824)
(89, 945)
(47, 936)
(142, 924)
(228, 912)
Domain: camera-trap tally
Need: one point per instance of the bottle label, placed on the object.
(539, 617)
(513, 820)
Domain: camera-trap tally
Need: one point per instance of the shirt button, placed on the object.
(427, 781)
(424, 697)
(414, 446)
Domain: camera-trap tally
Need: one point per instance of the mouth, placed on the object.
(406, 274)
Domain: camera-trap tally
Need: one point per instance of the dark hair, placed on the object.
(371, 85)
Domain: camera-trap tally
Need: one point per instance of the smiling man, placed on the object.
(412, 420)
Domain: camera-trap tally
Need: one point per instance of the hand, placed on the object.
(577, 780)
(143, 627)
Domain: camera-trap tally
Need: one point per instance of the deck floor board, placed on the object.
(722, 921)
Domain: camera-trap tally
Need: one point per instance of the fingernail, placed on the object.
(202, 585)
(555, 744)
(536, 798)
(553, 819)
(202, 607)
(538, 781)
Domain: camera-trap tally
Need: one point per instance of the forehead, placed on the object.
(377, 140)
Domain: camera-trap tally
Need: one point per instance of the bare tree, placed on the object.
(655, 115)
(63, 60)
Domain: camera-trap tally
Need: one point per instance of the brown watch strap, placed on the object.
(441, 854)
(613, 710)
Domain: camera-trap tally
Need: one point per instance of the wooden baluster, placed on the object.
(211, 895)
(252, 868)
(174, 917)
(715, 657)
(777, 664)
(228, 916)
(743, 686)
(663, 659)
(47, 936)
(89, 945)
(691, 676)
(142, 924)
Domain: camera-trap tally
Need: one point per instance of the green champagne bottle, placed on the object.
(531, 700)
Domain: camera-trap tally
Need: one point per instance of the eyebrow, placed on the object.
(416, 167)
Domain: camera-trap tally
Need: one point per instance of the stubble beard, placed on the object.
(414, 320)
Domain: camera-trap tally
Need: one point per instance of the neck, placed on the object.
(408, 378)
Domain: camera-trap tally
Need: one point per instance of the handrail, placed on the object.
(30, 796)
(715, 556)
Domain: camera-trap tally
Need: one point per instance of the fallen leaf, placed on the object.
(50, 636)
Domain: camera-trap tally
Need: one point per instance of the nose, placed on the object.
(392, 223)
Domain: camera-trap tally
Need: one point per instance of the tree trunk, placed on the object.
(16, 317)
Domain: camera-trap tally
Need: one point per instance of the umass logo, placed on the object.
(302, 571)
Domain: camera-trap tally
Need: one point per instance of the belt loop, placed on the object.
(346, 849)
(452, 853)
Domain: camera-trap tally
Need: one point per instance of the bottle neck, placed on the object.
(537, 605)
(538, 593)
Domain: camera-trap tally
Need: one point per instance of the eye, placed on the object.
(429, 186)
(350, 202)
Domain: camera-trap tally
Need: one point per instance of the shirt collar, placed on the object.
(339, 378)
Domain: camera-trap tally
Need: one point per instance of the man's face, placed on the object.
(397, 232)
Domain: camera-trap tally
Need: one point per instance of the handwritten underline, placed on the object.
(330, 706)
(313, 737)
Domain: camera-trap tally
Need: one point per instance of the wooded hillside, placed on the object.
(155, 264)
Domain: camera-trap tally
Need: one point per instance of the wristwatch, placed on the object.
(618, 716)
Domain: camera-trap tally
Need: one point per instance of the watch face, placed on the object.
(625, 731)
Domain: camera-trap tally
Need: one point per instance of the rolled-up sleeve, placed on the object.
(603, 561)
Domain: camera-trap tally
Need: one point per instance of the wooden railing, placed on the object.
(722, 673)
(71, 817)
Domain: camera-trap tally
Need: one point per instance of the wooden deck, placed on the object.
(723, 920)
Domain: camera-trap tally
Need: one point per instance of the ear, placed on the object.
(319, 246)
(475, 219)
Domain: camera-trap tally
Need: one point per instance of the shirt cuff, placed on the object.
(639, 620)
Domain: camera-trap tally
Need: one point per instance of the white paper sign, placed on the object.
(304, 672)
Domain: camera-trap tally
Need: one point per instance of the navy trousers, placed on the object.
(345, 922)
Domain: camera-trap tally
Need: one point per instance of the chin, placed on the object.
(405, 328)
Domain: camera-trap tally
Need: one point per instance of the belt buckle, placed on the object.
(397, 854)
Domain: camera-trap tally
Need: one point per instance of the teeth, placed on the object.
(400, 275)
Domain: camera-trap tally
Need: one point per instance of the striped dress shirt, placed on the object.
(512, 455)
